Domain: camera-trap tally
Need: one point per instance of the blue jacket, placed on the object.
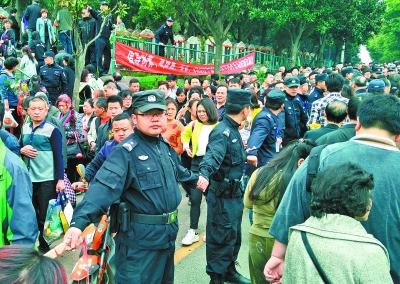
(6, 89)
(41, 28)
(10, 141)
(17, 215)
(265, 129)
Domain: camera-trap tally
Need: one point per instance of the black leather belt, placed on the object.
(166, 218)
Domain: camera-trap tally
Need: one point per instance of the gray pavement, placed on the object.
(191, 268)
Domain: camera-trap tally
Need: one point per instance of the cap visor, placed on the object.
(152, 106)
(292, 85)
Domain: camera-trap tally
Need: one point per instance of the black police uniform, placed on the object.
(223, 166)
(53, 78)
(163, 34)
(295, 119)
(142, 171)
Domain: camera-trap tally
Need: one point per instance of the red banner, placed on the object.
(140, 60)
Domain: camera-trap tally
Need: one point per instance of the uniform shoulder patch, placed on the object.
(226, 132)
(130, 145)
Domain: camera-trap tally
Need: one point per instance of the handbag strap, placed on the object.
(310, 252)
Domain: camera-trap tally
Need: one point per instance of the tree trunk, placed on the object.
(322, 44)
(21, 5)
(295, 34)
(218, 53)
(79, 55)
(343, 51)
(294, 49)
(218, 35)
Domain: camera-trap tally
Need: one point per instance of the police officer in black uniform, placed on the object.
(52, 77)
(266, 131)
(163, 34)
(295, 116)
(142, 173)
(222, 169)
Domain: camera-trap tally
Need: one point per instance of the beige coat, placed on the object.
(345, 251)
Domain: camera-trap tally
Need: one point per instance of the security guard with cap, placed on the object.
(163, 35)
(266, 131)
(142, 172)
(294, 116)
(222, 169)
(52, 77)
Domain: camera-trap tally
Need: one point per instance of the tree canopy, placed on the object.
(384, 46)
(321, 27)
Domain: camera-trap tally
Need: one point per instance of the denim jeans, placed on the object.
(66, 40)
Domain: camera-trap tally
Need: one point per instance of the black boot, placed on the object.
(216, 279)
(235, 277)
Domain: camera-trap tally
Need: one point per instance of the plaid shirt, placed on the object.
(317, 114)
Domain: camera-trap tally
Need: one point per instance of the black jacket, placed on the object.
(164, 33)
(144, 172)
(87, 26)
(295, 119)
(70, 74)
(32, 13)
(106, 33)
(53, 78)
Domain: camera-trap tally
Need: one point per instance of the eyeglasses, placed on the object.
(151, 114)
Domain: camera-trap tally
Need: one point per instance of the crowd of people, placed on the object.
(311, 152)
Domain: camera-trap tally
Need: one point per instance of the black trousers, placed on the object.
(144, 266)
(195, 196)
(42, 193)
(103, 48)
(224, 220)
(161, 50)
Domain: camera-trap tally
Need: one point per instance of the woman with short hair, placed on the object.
(172, 132)
(332, 246)
(7, 40)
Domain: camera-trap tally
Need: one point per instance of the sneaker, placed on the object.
(190, 238)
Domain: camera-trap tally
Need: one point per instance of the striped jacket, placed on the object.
(47, 140)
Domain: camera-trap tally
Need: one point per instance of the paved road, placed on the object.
(190, 262)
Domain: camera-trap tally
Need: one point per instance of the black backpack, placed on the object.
(39, 51)
(313, 165)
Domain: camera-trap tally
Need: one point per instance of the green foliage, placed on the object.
(321, 21)
(384, 47)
